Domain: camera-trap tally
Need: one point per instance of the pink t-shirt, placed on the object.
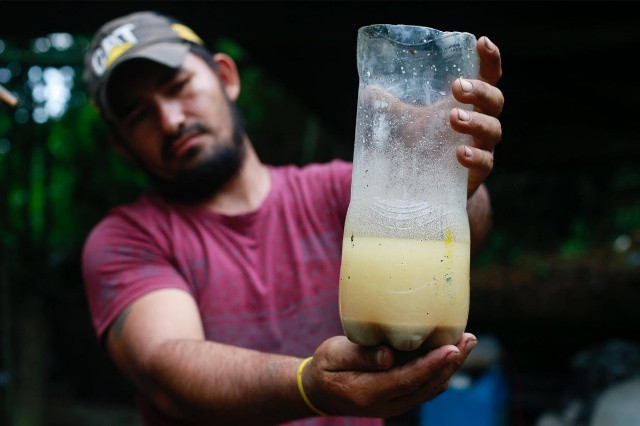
(265, 280)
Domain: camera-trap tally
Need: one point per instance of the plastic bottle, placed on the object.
(404, 276)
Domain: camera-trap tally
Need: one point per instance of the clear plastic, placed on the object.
(405, 262)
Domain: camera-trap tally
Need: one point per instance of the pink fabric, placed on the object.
(266, 280)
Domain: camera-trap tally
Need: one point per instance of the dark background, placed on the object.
(569, 138)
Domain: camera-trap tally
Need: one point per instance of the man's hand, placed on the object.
(482, 123)
(344, 378)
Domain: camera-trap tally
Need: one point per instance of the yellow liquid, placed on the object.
(407, 293)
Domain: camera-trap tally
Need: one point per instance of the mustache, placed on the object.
(197, 127)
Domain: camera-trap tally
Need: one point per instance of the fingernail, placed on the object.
(452, 356)
(463, 115)
(380, 357)
(466, 85)
(470, 344)
(468, 152)
(488, 44)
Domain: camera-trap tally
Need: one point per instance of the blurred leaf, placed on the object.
(36, 193)
(5, 124)
(627, 218)
(231, 48)
(577, 244)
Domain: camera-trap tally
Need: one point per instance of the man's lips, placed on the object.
(184, 144)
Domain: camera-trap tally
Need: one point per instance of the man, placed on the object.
(209, 294)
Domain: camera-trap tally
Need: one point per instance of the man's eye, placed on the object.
(177, 87)
(137, 115)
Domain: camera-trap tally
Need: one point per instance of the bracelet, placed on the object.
(301, 389)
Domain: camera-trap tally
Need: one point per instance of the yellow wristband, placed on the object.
(301, 389)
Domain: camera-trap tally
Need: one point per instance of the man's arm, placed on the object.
(159, 343)
(480, 222)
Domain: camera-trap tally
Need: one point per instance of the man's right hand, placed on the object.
(345, 378)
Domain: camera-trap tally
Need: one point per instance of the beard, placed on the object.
(199, 183)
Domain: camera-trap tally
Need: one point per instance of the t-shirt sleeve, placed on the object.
(121, 261)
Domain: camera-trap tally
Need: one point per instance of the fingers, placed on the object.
(485, 130)
(483, 96)
(479, 162)
(449, 360)
(474, 158)
(433, 370)
(466, 344)
(441, 381)
(490, 61)
(482, 123)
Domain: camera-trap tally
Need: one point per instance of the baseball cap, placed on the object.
(139, 35)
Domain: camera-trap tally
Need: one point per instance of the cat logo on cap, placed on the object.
(112, 47)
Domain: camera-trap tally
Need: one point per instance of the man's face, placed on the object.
(178, 125)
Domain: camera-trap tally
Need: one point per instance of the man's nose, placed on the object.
(170, 114)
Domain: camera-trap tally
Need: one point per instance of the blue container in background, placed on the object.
(479, 401)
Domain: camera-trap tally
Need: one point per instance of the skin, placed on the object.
(158, 341)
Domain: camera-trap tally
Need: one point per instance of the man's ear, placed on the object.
(228, 74)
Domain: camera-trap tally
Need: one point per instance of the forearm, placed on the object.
(207, 382)
(480, 221)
